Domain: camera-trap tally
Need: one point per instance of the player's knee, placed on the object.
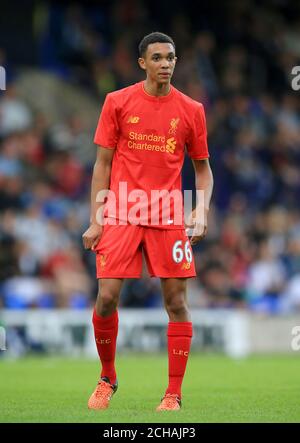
(177, 309)
(107, 302)
(175, 304)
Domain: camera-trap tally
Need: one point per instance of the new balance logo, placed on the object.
(171, 145)
(186, 266)
(133, 119)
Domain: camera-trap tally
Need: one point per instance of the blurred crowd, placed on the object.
(237, 61)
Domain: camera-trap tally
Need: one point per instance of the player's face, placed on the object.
(159, 62)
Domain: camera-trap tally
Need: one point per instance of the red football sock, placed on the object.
(179, 343)
(106, 332)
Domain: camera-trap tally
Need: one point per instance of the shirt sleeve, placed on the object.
(196, 145)
(107, 132)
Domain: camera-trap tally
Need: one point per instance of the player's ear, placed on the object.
(142, 63)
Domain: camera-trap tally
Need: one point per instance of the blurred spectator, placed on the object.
(15, 115)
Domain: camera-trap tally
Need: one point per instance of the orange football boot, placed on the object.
(102, 395)
(170, 402)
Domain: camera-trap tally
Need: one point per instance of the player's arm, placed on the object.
(100, 182)
(204, 183)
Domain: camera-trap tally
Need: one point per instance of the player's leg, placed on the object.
(105, 322)
(175, 299)
(118, 256)
(174, 264)
(179, 335)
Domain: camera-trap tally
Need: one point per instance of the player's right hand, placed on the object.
(92, 236)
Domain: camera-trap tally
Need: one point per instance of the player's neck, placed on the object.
(156, 89)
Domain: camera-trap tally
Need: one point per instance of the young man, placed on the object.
(142, 134)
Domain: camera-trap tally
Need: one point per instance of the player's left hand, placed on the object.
(198, 227)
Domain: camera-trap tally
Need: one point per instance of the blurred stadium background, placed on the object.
(234, 57)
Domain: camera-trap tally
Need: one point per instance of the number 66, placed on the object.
(177, 252)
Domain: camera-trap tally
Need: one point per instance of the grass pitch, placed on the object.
(215, 389)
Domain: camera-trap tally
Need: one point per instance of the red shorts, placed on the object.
(167, 252)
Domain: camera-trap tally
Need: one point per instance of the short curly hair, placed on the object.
(154, 37)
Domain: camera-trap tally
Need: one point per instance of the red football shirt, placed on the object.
(150, 135)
